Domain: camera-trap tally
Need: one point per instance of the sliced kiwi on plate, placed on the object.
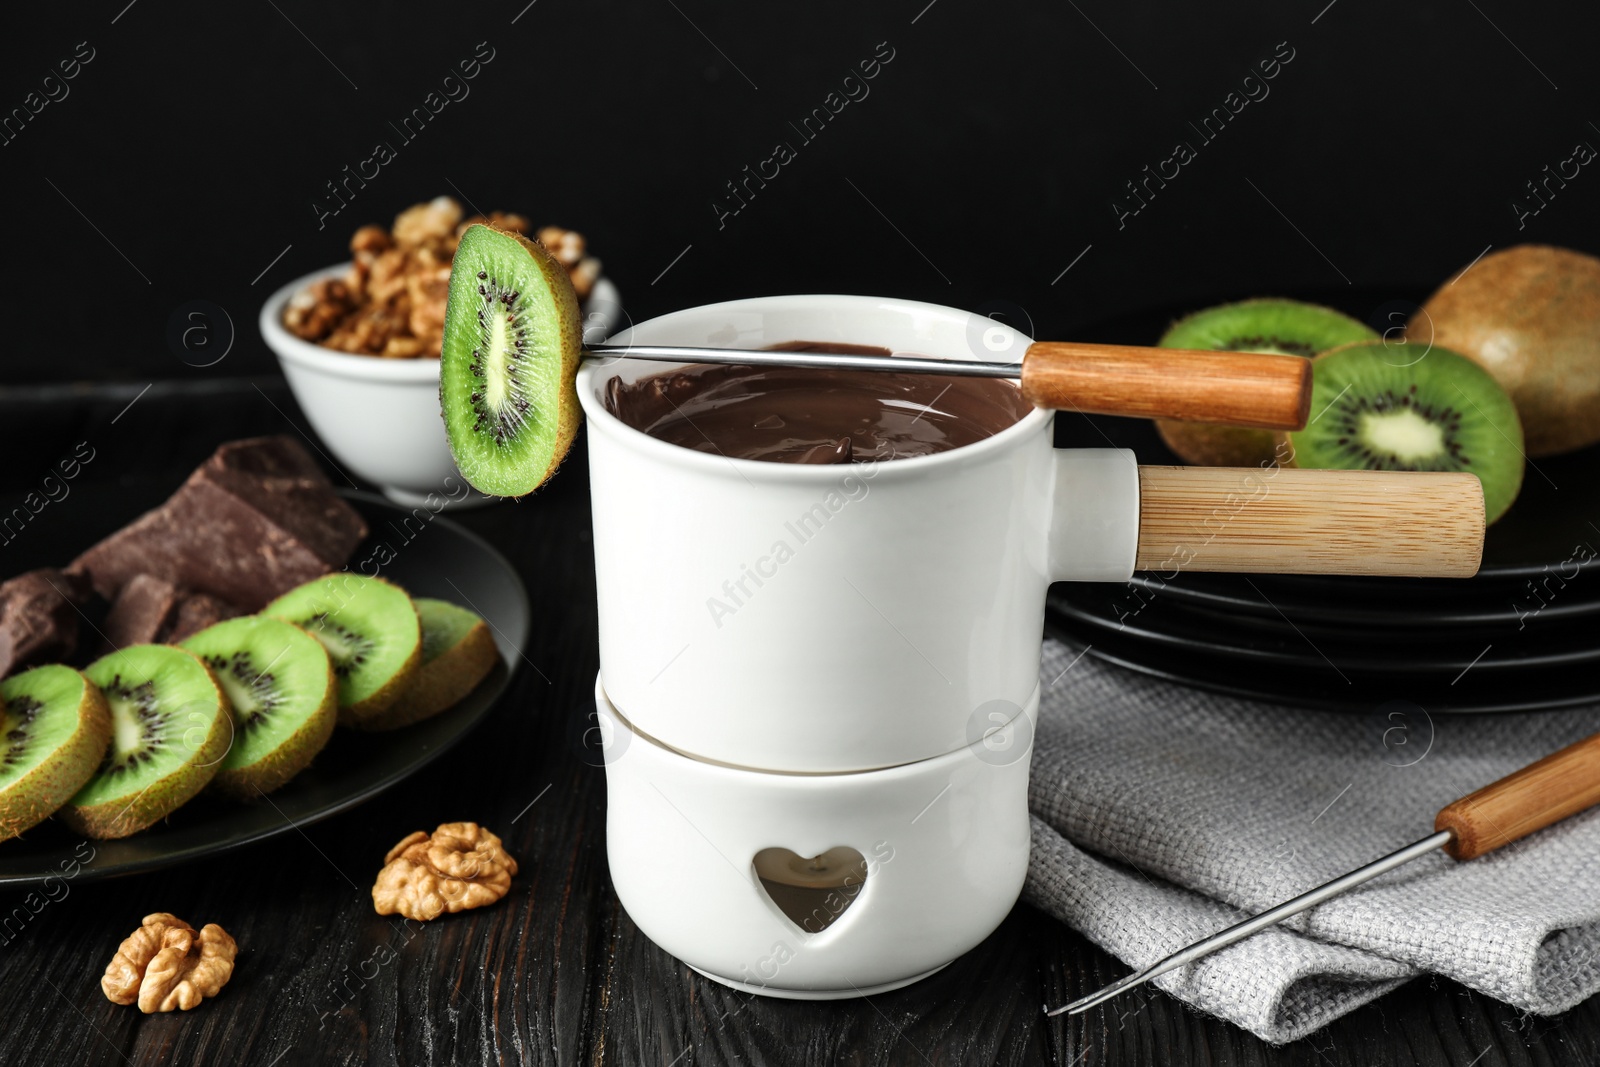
(1373, 407)
(458, 652)
(1281, 327)
(512, 341)
(283, 694)
(370, 630)
(54, 730)
(170, 729)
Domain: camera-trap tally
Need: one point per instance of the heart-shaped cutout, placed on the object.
(812, 891)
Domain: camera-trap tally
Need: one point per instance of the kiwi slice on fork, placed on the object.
(54, 730)
(371, 632)
(1374, 408)
(512, 341)
(282, 692)
(170, 729)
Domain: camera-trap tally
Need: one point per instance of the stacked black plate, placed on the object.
(1522, 635)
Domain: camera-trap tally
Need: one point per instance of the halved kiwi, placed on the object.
(458, 651)
(283, 694)
(370, 630)
(1283, 327)
(512, 340)
(1373, 410)
(170, 729)
(54, 730)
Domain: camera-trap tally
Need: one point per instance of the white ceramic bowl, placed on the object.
(380, 417)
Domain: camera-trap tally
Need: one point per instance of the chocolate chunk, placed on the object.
(255, 520)
(142, 608)
(280, 479)
(279, 456)
(39, 617)
(194, 613)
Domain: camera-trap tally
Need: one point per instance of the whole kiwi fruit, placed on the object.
(1530, 315)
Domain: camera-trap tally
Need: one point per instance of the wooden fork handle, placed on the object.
(1562, 784)
(1268, 392)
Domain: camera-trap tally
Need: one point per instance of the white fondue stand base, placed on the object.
(944, 842)
(817, 994)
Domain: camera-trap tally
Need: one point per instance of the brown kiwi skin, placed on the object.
(1211, 445)
(43, 790)
(1530, 315)
(571, 324)
(442, 682)
(293, 756)
(121, 818)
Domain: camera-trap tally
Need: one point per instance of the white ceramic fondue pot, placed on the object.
(800, 662)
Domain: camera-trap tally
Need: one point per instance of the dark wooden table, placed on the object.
(556, 972)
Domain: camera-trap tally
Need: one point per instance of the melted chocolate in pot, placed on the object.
(807, 415)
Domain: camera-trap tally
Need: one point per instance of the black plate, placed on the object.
(1329, 690)
(441, 560)
(1347, 607)
(1252, 642)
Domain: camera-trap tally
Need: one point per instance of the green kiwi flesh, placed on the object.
(170, 729)
(283, 695)
(1375, 407)
(512, 341)
(370, 630)
(1283, 327)
(458, 651)
(54, 730)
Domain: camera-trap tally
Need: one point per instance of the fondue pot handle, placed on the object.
(1270, 392)
(1286, 521)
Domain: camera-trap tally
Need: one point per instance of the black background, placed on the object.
(984, 161)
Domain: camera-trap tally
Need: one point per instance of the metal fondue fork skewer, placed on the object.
(1270, 392)
(1544, 792)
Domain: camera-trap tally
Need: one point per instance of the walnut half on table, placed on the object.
(459, 866)
(167, 964)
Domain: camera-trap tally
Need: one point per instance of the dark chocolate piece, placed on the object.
(142, 608)
(39, 617)
(194, 613)
(255, 520)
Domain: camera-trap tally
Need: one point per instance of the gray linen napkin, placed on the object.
(1162, 814)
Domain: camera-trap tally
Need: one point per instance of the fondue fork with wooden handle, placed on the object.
(1559, 785)
(1271, 520)
(1268, 392)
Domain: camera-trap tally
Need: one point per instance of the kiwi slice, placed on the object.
(283, 694)
(1443, 412)
(370, 630)
(1281, 327)
(512, 339)
(458, 651)
(170, 729)
(54, 730)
